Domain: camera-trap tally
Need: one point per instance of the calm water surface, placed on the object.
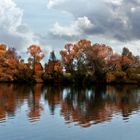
(57, 113)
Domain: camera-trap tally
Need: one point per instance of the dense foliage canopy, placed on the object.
(81, 62)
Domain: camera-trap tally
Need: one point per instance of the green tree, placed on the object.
(52, 56)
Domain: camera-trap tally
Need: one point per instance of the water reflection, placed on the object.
(35, 107)
(82, 106)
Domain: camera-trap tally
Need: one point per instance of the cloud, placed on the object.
(114, 20)
(75, 30)
(133, 46)
(114, 2)
(117, 19)
(52, 3)
(13, 31)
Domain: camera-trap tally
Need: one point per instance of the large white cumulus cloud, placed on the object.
(75, 30)
(13, 32)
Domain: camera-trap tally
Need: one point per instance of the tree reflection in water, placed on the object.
(82, 106)
(35, 107)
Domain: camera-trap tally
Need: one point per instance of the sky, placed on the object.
(53, 23)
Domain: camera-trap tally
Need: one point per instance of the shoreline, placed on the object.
(64, 83)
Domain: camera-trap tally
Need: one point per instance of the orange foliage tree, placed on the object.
(128, 59)
(36, 53)
(9, 63)
(123, 61)
(86, 57)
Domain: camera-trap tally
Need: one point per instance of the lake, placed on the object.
(69, 113)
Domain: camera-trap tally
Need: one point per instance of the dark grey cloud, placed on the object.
(118, 19)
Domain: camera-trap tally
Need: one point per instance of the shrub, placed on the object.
(110, 77)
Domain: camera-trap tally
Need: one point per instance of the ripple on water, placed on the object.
(2, 120)
(34, 119)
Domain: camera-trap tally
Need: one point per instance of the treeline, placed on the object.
(81, 63)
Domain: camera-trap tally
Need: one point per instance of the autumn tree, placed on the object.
(114, 63)
(128, 59)
(36, 54)
(11, 54)
(97, 56)
(10, 64)
(85, 57)
(2, 48)
(68, 55)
